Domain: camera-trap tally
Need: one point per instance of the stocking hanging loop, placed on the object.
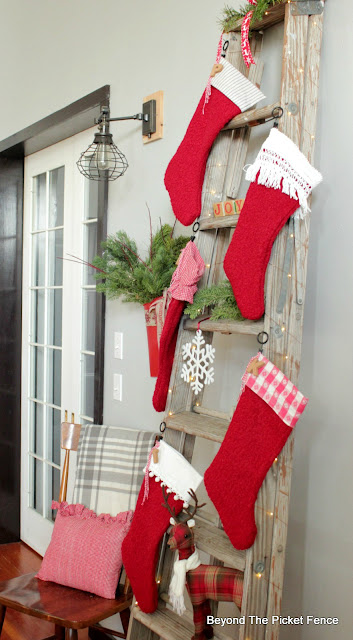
(262, 339)
(203, 320)
(163, 426)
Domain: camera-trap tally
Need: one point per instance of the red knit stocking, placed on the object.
(166, 352)
(182, 289)
(151, 520)
(231, 94)
(282, 180)
(141, 545)
(266, 413)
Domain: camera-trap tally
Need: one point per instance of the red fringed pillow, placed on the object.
(85, 549)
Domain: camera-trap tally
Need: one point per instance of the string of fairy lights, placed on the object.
(179, 391)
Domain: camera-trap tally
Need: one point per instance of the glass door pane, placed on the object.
(46, 283)
(89, 296)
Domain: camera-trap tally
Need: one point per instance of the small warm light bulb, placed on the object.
(266, 13)
(301, 70)
(283, 329)
(292, 235)
(208, 266)
(169, 391)
(312, 137)
(286, 357)
(213, 191)
(158, 582)
(276, 459)
(170, 413)
(259, 575)
(197, 404)
(289, 275)
(270, 513)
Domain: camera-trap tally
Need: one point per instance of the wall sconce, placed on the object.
(103, 160)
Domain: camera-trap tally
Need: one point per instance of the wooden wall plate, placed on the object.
(158, 97)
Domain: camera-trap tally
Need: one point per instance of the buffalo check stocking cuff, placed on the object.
(273, 386)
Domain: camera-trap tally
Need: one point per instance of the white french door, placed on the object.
(58, 336)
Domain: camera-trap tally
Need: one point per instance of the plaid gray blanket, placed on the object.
(109, 471)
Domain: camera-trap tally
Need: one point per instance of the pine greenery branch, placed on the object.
(128, 276)
(220, 301)
(231, 17)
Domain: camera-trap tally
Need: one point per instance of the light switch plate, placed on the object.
(118, 387)
(118, 345)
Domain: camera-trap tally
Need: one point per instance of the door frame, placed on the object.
(72, 119)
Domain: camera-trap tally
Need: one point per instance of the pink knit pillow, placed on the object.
(85, 549)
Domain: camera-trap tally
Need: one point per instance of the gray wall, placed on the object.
(53, 53)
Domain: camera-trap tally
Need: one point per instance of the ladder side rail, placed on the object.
(306, 139)
(292, 92)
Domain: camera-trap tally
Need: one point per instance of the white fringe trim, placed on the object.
(281, 165)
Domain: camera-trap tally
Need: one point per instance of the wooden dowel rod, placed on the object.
(252, 117)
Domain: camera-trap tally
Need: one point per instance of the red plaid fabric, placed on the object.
(277, 391)
(187, 274)
(212, 583)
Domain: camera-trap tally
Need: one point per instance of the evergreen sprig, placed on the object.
(231, 16)
(127, 275)
(219, 299)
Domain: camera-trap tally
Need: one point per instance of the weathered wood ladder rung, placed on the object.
(197, 425)
(186, 418)
(245, 327)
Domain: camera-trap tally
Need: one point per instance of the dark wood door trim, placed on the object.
(62, 124)
(58, 126)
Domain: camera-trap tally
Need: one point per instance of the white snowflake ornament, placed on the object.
(196, 369)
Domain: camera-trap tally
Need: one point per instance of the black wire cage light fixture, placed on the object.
(102, 160)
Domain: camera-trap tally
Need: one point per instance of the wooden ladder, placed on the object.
(185, 420)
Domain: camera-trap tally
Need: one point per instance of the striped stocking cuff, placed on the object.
(236, 87)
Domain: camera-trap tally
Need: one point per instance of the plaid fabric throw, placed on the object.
(109, 471)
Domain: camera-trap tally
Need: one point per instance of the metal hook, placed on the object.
(161, 427)
(195, 228)
(262, 334)
(224, 48)
(277, 113)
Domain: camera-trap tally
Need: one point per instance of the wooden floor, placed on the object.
(15, 560)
